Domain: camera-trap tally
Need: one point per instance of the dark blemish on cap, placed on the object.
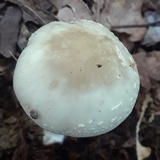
(99, 65)
(34, 114)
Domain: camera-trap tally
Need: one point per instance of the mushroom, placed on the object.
(76, 79)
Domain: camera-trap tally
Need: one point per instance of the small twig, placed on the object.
(142, 152)
(154, 24)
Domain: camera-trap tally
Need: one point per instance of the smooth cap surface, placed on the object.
(76, 79)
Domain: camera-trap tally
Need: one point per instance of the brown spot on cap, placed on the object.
(96, 50)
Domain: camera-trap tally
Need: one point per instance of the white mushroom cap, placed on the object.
(76, 79)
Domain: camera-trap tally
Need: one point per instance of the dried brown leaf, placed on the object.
(11, 120)
(34, 10)
(23, 37)
(109, 13)
(2, 5)
(59, 3)
(148, 66)
(124, 12)
(8, 138)
(153, 65)
(73, 10)
(141, 65)
(9, 31)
